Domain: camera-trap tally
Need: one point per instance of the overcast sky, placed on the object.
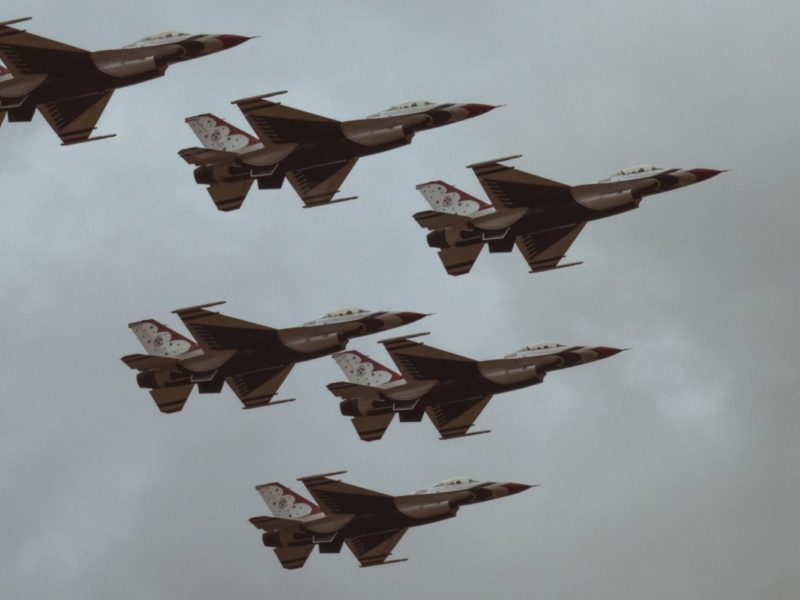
(670, 471)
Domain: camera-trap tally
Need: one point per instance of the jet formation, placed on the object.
(540, 216)
(370, 523)
(71, 86)
(451, 389)
(313, 152)
(252, 359)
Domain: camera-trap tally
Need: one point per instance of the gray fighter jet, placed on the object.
(451, 389)
(314, 153)
(370, 523)
(541, 217)
(71, 86)
(252, 359)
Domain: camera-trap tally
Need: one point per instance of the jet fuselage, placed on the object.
(471, 380)
(280, 347)
(333, 143)
(64, 74)
(386, 514)
(573, 205)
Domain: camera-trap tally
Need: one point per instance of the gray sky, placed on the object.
(667, 472)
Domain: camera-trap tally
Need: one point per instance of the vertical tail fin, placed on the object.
(444, 198)
(362, 370)
(284, 503)
(160, 340)
(216, 134)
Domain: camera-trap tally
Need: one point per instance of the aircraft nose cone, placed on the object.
(515, 488)
(703, 174)
(229, 41)
(478, 109)
(606, 351)
(410, 317)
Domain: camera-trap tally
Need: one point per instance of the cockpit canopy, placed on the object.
(450, 485)
(454, 481)
(342, 313)
(541, 347)
(636, 170)
(158, 38)
(411, 106)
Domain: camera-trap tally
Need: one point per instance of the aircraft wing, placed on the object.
(373, 549)
(508, 188)
(544, 249)
(214, 331)
(293, 557)
(276, 124)
(319, 184)
(27, 54)
(453, 419)
(257, 388)
(74, 119)
(229, 196)
(459, 260)
(336, 497)
(417, 361)
(171, 399)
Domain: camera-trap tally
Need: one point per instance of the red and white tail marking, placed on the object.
(444, 198)
(216, 134)
(362, 370)
(286, 504)
(160, 340)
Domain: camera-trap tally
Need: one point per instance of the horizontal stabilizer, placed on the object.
(293, 557)
(171, 399)
(353, 391)
(431, 219)
(272, 523)
(373, 427)
(229, 196)
(459, 260)
(142, 362)
(205, 156)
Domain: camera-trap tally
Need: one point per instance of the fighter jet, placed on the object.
(252, 359)
(71, 86)
(542, 217)
(370, 523)
(314, 153)
(451, 389)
